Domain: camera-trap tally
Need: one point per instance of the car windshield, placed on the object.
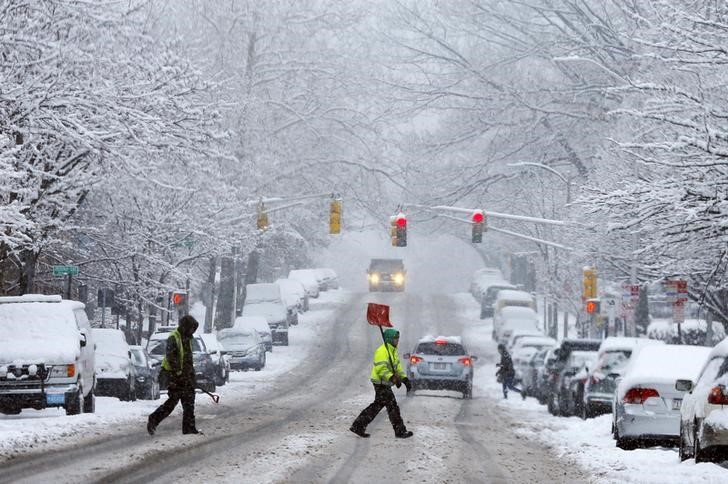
(447, 349)
(613, 361)
(158, 347)
(232, 340)
(385, 265)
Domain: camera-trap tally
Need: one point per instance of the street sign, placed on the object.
(678, 312)
(65, 270)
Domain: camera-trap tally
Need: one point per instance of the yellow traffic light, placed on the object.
(589, 283)
(262, 222)
(335, 217)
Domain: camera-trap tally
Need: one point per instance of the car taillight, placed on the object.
(415, 359)
(717, 395)
(465, 361)
(639, 395)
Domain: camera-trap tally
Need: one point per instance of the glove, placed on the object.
(395, 379)
(407, 384)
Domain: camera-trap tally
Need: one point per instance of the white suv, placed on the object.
(46, 355)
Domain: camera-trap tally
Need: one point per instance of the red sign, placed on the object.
(378, 315)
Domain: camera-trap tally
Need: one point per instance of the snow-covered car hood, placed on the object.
(56, 349)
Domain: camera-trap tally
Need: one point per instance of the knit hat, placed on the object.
(390, 334)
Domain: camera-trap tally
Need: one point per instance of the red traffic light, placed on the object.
(401, 221)
(478, 217)
(178, 298)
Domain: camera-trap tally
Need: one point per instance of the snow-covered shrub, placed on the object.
(693, 332)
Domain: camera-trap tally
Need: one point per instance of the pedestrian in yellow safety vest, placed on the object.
(387, 371)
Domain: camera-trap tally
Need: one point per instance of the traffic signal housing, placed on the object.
(593, 306)
(335, 216)
(478, 226)
(401, 228)
(589, 280)
(262, 222)
(180, 301)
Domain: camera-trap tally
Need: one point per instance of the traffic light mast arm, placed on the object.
(532, 239)
(502, 215)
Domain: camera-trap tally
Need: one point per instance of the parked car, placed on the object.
(307, 277)
(202, 361)
(219, 360)
(555, 367)
(272, 309)
(613, 356)
(704, 410)
(147, 375)
(244, 348)
(263, 293)
(646, 405)
(525, 347)
(115, 374)
(537, 341)
(511, 297)
(516, 336)
(571, 381)
(331, 279)
(291, 289)
(545, 374)
(259, 324)
(482, 278)
(520, 358)
(489, 295)
(513, 318)
(386, 275)
(47, 356)
(441, 363)
(529, 375)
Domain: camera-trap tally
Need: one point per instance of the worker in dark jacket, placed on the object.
(387, 371)
(180, 371)
(506, 373)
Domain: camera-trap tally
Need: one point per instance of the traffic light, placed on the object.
(180, 301)
(478, 225)
(593, 306)
(393, 230)
(335, 217)
(262, 223)
(401, 227)
(589, 283)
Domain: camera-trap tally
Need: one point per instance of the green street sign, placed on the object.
(65, 270)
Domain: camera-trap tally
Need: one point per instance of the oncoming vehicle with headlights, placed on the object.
(386, 275)
(441, 363)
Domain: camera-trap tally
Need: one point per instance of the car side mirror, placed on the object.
(82, 340)
(474, 358)
(407, 355)
(683, 385)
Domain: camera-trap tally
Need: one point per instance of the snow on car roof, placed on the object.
(617, 343)
(514, 295)
(657, 364)
(519, 312)
(539, 340)
(110, 341)
(258, 323)
(450, 339)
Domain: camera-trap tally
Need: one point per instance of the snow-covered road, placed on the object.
(288, 423)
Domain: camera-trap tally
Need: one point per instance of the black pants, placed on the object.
(383, 397)
(187, 396)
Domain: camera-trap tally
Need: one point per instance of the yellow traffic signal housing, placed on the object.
(589, 283)
(393, 230)
(262, 222)
(335, 217)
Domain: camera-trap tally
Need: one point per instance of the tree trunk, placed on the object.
(28, 261)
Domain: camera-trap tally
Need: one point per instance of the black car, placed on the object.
(572, 380)
(147, 375)
(554, 368)
(205, 372)
(386, 275)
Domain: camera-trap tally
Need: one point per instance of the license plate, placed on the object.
(55, 398)
(440, 366)
(676, 403)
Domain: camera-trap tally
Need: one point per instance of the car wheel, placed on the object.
(284, 341)
(699, 454)
(76, 404)
(468, 392)
(10, 410)
(683, 447)
(89, 403)
(551, 405)
(626, 444)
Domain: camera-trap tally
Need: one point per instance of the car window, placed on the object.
(613, 361)
(138, 358)
(158, 347)
(448, 349)
(81, 318)
(712, 371)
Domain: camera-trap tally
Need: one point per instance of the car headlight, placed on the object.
(374, 278)
(63, 371)
(398, 278)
